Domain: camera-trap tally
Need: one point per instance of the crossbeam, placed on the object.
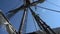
(14, 11)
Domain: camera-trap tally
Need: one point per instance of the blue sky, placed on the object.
(50, 17)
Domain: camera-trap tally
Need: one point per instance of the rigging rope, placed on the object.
(26, 20)
(34, 23)
(48, 9)
(35, 6)
(52, 3)
(46, 28)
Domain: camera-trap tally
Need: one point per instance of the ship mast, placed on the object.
(26, 2)
(41, 23)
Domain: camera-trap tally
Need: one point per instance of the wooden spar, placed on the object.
(22, 22)
(9, 28)
(39, 21)
(28, 4)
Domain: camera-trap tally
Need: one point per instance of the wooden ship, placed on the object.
(45, 29)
